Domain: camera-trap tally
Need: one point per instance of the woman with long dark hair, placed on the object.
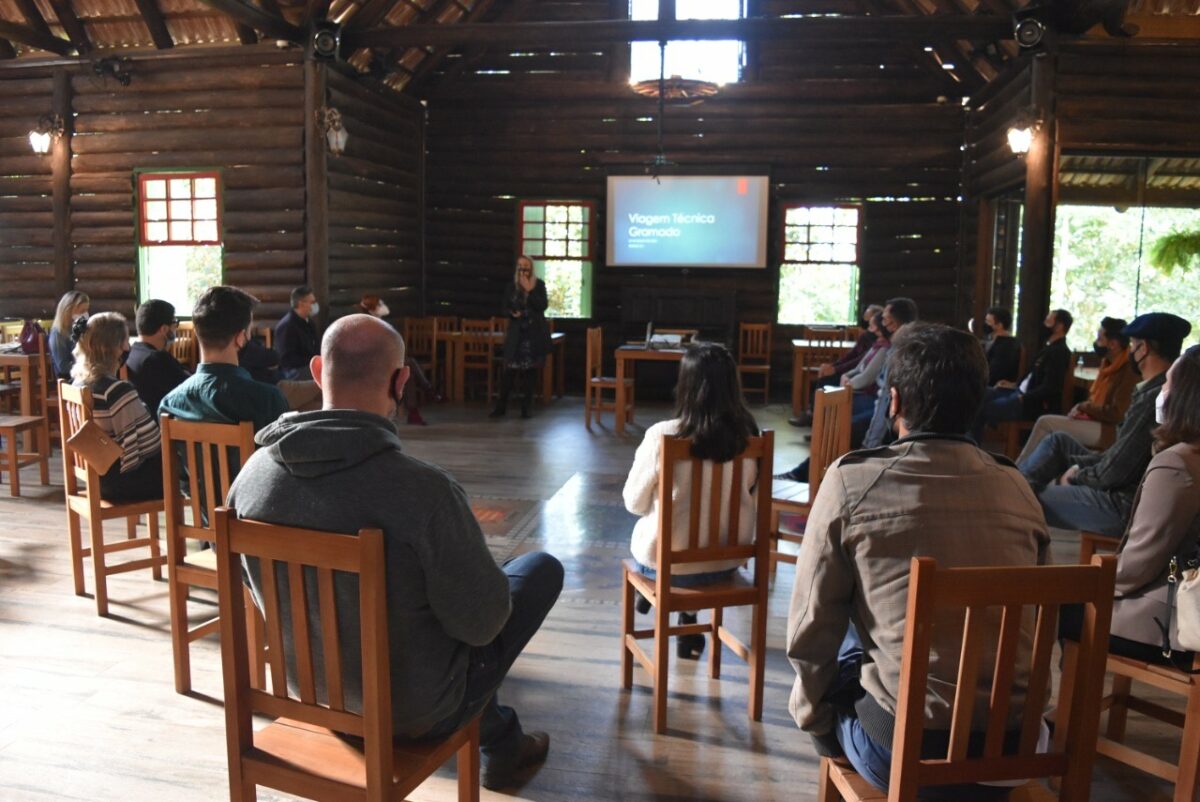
(1164, 524)
(528, 336)
(710, 410)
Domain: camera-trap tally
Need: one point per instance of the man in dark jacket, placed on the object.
(1082, 489)
(296, 337)
(1002, 349)
(456, 621)
(1041, 391)
(152, 369)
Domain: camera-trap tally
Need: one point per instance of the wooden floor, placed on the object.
(88, 710)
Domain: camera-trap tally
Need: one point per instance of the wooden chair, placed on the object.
(477, 350)
(82, 487)
(13, 428)
(830, 440)
(754, 356)
(301, 751)
(595, 383)
(736, 592)
(267, 333)
(1185, 773)
(209, 455)
(826, 347)
(420, 344)
(967, 594)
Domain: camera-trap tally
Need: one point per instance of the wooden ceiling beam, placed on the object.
(33, 17)
(315, 10)
(71, 25)
(431, 61)
(36, 39)
(258, 19)
(514, 13)
(798, 29)
(156, 24)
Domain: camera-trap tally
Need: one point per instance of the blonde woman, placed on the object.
(71, 307)
(117, 409)
(528, 336)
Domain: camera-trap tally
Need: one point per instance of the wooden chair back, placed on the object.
(830, 434)
(677, 457)
(832, 334)
(74, 410)
(754, 342)
(419, 334)
(445, 322)
(477, 341)
(500, 324)
(267, 334)
(936, 594)
(209, 455)
(308, 560)
(595, 353)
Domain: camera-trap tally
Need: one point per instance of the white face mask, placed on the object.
(382, 310)
(1160, 409)
(316, 309)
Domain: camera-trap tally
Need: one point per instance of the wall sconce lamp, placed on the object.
(329, 122)
(50, 127)
(1022, 132)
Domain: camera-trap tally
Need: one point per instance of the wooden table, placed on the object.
(1084, 376)
(636, 353)
(456, 386)
(11, 428)
(808, 354)
(25, 366)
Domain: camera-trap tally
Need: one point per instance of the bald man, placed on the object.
(456, 620)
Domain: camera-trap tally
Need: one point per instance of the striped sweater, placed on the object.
(119, 411)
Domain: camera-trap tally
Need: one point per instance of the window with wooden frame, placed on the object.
(179, 235)
(818, 275)
(717, 61)
(559, 236)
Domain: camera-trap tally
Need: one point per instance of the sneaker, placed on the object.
(532, 750)
(689, 647)
(790, 476)
(641, 603)
(802, 421)
(415, 419)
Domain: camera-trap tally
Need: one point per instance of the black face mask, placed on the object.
(988, 331)
(1047, 331)
(1135, 364)
(1101, 350)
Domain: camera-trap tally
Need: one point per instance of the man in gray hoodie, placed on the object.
(456, 620)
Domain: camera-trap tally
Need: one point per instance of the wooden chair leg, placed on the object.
(714, 653)
(1187, 786)
(14, 469)
(626, 628)
(1119, 710)
(468, 766)
(155, 546)
(1066, 693)
(74, 535)
(826, 790)
(662, 642)
(256, 628)
(131, 527)
(96, 530)
(44, 454)
(758, 659)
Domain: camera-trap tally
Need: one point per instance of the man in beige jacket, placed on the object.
(931, 493)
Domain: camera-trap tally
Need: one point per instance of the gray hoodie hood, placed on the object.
(315, 444)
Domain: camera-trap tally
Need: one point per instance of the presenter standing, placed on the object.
(528, 338)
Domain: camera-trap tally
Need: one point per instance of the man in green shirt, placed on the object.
(220, 391)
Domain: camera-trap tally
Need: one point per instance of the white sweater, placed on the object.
(641, 498)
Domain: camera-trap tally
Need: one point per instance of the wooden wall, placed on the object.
(374, 206)
(241, 111)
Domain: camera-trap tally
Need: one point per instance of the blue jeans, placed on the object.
(534, 580)
(690, 580)
(1069, 506)
(999, 405)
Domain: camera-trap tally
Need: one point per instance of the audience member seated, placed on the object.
(118, 411)
(71, 307)
(152, 369)
(1165, 524)
(261, 362)
(711, 411)
(1108, 399)
(1080, 489)
(373, 305)
(1002, 349)
(456, 621)
(875, 511)
(1041, 391)
(296, 338)
(897, 313)
(829, 374)
(221, 391)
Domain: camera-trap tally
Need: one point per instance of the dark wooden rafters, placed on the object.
(155, 23)
(71, 25)
(315, 10)
(36, 39)
(438, 55)
(392, 61)
(256, 18)
(7, 51)
(33, 17)
(799, 29)
(513, 13)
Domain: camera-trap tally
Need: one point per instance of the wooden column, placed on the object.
(316, 187)
(1041, 181)
(985, 249)
(60, 182)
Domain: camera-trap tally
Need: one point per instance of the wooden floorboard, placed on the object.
(88, 708)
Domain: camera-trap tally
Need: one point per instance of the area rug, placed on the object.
(505, 523)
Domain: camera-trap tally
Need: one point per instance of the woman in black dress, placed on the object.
(528, 337)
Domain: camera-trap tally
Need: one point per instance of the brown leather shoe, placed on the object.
(532, 750)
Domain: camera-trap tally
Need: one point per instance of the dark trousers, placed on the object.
(524, 380)
(143, 483)
(534, 580)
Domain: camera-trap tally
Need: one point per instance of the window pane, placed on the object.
(535, 213)
(575, 214)
(156, 189)
(556, 248)
(820, 253)
(556, 231)
(531, 247)
(181, 231)
(797, 216)
(533, 230)
(574, 231)
(564, 288)
(575, 249)
(156, 210)
(206, 188)
(205, 210)
(156, 232)
(796, 253)
(821, 234)
(178, 274)
(181, 187)
(556, 214)
(845, 253)
(817, 294)
(821, 215)
(845, 235)
(846, 217)
(206, 231)
(797, 234)
(181, 210)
